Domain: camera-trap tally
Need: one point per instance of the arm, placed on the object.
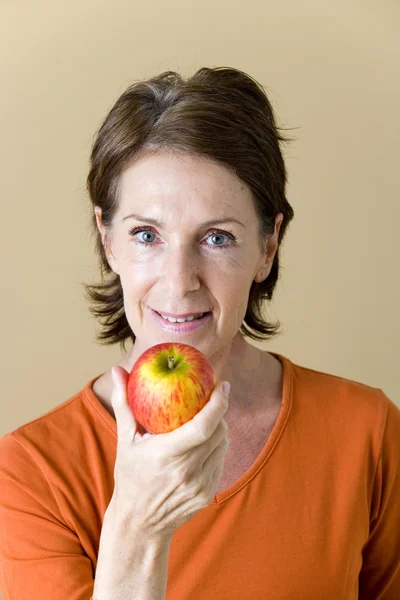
(40, 556)
(126, 574)
(380, 573)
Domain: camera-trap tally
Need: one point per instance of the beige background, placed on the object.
(331, 70)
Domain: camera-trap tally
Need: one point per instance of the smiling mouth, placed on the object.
(183, 320)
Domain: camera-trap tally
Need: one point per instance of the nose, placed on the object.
(180, 271)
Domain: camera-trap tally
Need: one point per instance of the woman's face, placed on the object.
(189, 261)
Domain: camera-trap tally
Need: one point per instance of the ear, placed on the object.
(105, 239)
(272, 246)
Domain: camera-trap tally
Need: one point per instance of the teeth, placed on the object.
(172, 320)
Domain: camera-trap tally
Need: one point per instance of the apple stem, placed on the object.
(171, 361)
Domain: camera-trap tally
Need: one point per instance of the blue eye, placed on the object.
(146, 240)
(215, 233)
(136, 230)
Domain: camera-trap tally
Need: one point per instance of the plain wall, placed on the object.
(330, 70)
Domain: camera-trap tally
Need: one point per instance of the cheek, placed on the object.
(231, 292)
(235, 274)
(133, 264)
(136, 281)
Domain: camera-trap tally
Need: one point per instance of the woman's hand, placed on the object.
(163, 480)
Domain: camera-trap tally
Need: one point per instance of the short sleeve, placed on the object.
(380, 574)
(41, 558)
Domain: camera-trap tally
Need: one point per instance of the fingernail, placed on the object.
(226, 386)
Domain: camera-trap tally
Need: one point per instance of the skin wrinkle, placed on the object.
(182, 273)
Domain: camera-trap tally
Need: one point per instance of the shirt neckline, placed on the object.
(268, 448)
(270, 444)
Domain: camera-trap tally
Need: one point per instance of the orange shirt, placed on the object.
(317, 515)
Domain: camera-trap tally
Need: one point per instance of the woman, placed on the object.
(290, 489)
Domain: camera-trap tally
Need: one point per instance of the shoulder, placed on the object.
(337, 391)
(58, 433)
(338, 410)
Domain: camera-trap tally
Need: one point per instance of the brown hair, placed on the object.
(221, 114)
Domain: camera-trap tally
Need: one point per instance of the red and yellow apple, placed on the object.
(168, 385)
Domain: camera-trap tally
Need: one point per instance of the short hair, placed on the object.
(221, 114)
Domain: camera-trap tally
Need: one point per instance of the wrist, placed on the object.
(119, 526)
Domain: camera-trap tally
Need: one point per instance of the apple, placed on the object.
(168, 385)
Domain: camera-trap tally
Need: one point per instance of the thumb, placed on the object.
(126, 422)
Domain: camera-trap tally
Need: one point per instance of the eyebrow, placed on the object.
(205, 224)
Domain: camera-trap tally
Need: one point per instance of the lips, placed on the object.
(182, 319)
(185, 327)
(184, 315)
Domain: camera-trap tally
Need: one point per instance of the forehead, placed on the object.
(181, 184)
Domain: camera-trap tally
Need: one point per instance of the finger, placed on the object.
(142, 438)
(202, 426)
(213, 461)
(126, 422)
(218, 436)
